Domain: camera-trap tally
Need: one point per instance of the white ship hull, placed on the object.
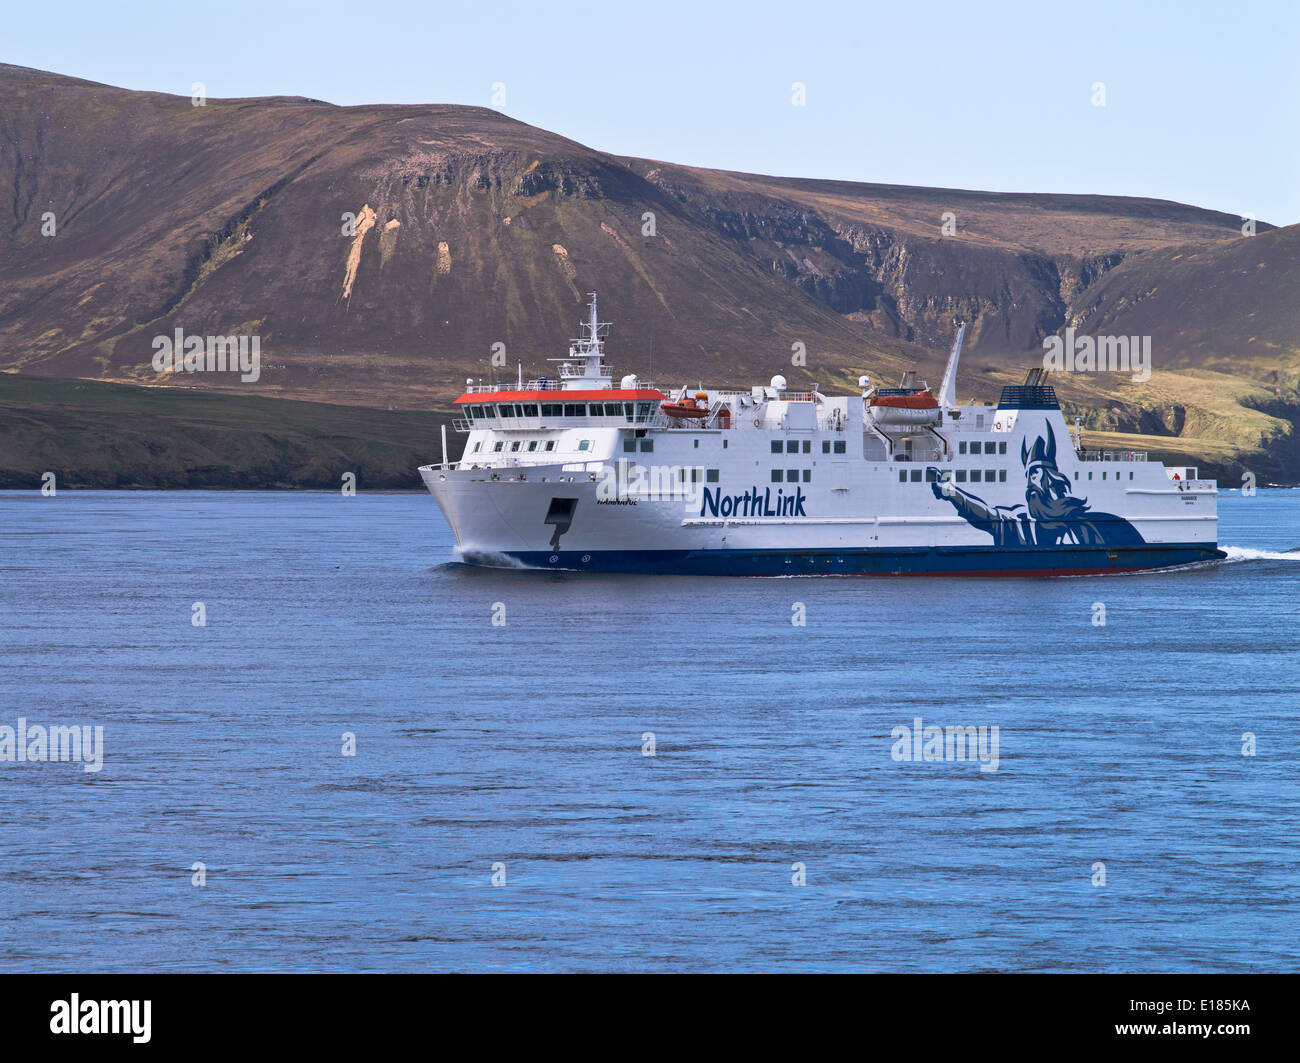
(502, 523)
(775, 483)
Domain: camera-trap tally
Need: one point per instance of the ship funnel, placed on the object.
(948, 390)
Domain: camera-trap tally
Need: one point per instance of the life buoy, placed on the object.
(756, 422)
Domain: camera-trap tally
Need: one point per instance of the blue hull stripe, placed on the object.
(917, 561)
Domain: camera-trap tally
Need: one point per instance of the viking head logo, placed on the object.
(1047, 492)
(1051, 515)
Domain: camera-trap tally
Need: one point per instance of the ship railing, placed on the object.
(1112, 455)
(742, 419)
(543, 383)
(524, 424)
(539, 384)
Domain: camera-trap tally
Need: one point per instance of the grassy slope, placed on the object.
(95, 434)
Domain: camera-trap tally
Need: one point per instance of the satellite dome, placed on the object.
(778, 382)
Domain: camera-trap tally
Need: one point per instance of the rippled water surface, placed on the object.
(521, 744)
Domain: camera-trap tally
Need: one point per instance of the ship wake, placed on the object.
(489, 559)
(1245, 553)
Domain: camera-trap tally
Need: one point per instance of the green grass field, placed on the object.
(94, 434)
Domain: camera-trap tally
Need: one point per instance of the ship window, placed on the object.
(990, 448)
(826, 446)
(807, 476)
(552, 409)
(514, 445)
(1076, 474)
(902, 476)
(1130, 476)
(990, 475)
(776, 446)
(506, 410)
(974, 476)
(584, 444)
(1089, 475)
(792, 475)
(647, 445)
(643, 410)
(724, 444)
(776, 476)
(711, 476)
(931, 475)
(916, 476)
(961, 447)
(792, 446)
(1002, 448)
(629, 446)
(1103, 476)
(478, 446)
(1002, 476)
(499, 446)
(697, 444)
(627, 410)
(550, 444)
(613, 409)
(840, 446)
(532, 445)
(807, 446)
(961, 476)
(697, 475)
(519, 410)
(575, 409)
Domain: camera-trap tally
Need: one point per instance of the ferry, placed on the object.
(570, 472)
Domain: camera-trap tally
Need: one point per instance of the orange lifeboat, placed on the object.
(906, 406)
(687, 407)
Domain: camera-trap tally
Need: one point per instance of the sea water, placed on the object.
(327, 747)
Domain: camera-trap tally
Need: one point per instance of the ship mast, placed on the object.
(589, 348)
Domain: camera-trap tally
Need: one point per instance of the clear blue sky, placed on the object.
(1202, 99)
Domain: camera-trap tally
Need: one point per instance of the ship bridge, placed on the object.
(583, 395)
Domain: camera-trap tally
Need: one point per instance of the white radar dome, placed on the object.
(778, 382)
(629, 381)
